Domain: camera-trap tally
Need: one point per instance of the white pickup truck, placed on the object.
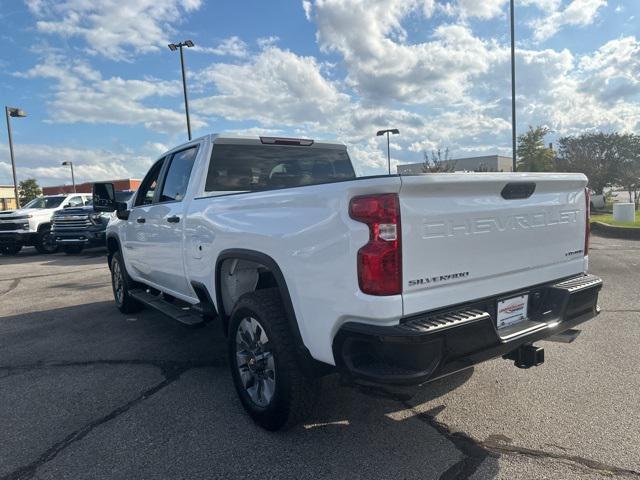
(390, 280)
(31, 224)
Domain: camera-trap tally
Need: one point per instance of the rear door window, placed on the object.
(268, 167)
(177, 178)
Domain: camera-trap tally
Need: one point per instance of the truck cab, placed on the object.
(31, 224)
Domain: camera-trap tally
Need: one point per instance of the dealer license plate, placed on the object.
(512, 310)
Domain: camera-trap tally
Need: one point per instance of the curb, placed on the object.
(611, 231)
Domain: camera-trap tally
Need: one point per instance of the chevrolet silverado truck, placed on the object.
(389, 280)
(77, 228)
(31, 224)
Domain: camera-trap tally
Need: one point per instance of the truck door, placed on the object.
(164, 224)
(137, 253)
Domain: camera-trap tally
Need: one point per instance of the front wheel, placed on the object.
(45, 242)
(273, 389)
(10, 249)
(121, 285)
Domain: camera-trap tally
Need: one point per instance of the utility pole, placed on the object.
(513, 85)
(73, 178)
(13, 112)
(178, 46)
(394, 131)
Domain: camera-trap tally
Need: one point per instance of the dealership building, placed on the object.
(487, 163)
(7, 197)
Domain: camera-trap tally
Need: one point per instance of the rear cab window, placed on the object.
(258, 167)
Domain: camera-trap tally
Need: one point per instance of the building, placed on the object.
(87, 187)
(487, 163)
(7, 197)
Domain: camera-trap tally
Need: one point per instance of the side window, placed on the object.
(178, 174)
(75, 202)
(148, 186)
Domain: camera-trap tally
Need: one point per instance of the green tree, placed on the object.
(28, 190)
(628, 175)
(439, 161)
(533, 155)
(607, 159)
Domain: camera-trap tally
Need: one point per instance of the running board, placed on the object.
(187, 316)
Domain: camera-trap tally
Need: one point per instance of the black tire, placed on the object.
(72, 249)
(121, 284)
(295, 394)
(10, 249)
(45, 243)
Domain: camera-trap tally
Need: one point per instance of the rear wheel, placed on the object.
(10, 249)
(72, 249)
(268, 379)
(121, 285)
(45, 242)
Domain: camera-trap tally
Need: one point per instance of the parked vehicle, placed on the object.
(391, 280)
(597, 201)
(77, 228)
(31, 224)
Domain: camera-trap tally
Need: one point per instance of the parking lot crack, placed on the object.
(475, 451)
(171, 371)
(12, 286)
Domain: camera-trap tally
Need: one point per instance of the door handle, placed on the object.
(173, 219)
(140, 220)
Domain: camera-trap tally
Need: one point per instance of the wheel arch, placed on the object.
(281, 284)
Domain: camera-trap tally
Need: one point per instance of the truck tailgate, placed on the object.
(467, 236)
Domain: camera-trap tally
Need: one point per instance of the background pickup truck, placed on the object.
(31, 224)
(75, 228)
(389, 280)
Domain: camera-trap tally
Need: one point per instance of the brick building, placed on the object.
(120, 185)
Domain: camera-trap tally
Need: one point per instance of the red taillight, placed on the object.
(380, 260)
(587, 228)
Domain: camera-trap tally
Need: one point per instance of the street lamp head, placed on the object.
(16, 112)
(393, 131)
(173, 47)
(65, 163)
(189, 43)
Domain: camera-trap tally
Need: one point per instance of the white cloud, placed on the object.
(612, 73)
(43, 162)
(483, 9)
(275, 84)
(382, 65)
(113, 28)
(232, 46)
(576, 13)
(81, 95)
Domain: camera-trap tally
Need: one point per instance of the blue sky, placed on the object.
(102, 89)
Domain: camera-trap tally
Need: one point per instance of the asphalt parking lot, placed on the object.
(86, 392)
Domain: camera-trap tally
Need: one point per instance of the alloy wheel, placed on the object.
(255, 362)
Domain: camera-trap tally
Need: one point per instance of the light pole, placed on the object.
(394, 131)
(513, 85)
(73, 178)
(13, 112)
(178, 46)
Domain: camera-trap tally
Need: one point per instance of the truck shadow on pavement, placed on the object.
(93, 393)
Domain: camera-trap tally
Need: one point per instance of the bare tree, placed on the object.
(438, 162)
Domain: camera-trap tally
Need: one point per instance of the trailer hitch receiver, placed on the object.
(526, 356)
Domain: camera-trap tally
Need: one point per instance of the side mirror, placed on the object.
(104, 197)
